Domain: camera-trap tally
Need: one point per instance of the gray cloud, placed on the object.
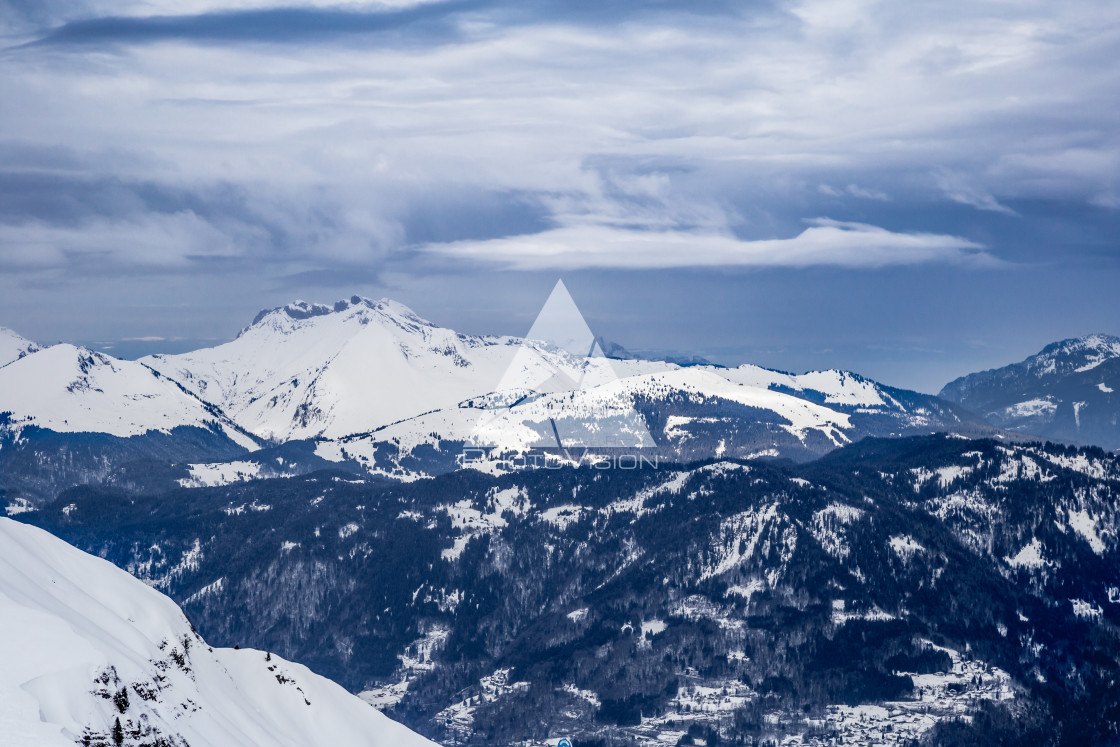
(499, 119)
(277, 25)
(263, 22)
(854, 190)
(957, 187)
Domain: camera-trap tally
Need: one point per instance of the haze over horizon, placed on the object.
(912, 192)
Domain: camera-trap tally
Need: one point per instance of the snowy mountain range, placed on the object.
(1067, 392)
(370, 383)
(329, 372)
(68, 389)
(92, 656)
(307, 370)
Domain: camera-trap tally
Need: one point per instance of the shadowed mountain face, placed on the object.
(1067, 392)
(889, 588)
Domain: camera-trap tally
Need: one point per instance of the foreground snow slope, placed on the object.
(83, 644)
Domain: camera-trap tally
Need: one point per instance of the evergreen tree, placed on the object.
(121, 699)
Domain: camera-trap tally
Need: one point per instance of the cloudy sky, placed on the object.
(911, 190)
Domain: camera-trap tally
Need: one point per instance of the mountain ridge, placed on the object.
(14, 346)
(372, 383)
(94, 656)
(67, 388)
(1064, 392)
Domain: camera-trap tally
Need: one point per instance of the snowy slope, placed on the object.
(366, 378)
(83, 645)
(69, 389)
(592, 404)
(13, 347)
(1075, 355)
(732, 416)
(834, 387)
(307, 370)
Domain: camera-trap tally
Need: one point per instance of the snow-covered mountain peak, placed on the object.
(13, 346)
(1096, 342)
(1064, 392)
(299, 313)
(1076, 354)
(304, 370)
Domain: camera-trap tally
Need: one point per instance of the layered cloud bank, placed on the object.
(234, 153)
(151, 135)
(825, 242)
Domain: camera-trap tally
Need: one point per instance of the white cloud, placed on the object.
(1109, 200)
(824, 242)
(854, 190)
(958, 189)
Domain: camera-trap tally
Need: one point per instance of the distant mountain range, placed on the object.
(1067, 392)
(370, 383)
(614, 350)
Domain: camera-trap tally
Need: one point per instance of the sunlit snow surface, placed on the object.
(70, 389)
(373, 382)
(364, 366)
(13, 347)
(75, 631)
